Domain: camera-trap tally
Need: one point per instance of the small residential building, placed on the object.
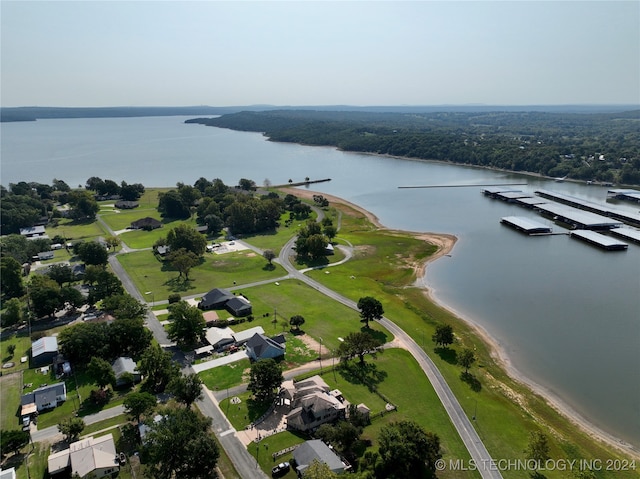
(242, 337)
(44, 350)
(311, 404)
(126, 205)
(89, 457)
(239, 306)
(263, 347)
(163, 250)
(219, 338)
(124, 366)
(308, 451)
(46, 397)
(147, 223)
(33, 231)
(215, 299)
(45, 255)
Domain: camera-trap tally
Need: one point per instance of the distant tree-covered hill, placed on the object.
(586, 146)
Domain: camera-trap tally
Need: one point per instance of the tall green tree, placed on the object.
(181, 446)
(101, 372)
(72, 428)
(357, 345)
(187, 389)
(538, 448)
(11, 273)
(44, 295)
(12, 313)
(11, 441)
(138, 404)
(370, 309)
(264, 379)
(407, 450)
(186, 323)
(466, 359)
(184, 236)
(124, 306)
(91, 252)
(296, 321)
(443, 336)
(158, 369)
(183, 261)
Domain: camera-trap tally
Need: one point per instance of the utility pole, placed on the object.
(320, 355)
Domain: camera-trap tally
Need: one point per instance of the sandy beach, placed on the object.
(445, 244)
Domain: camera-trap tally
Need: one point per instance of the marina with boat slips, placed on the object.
(584, 218)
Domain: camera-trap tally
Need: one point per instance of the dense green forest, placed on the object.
(601, 147)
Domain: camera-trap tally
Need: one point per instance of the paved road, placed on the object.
(245, 464)
(52, 432)
(458, 417)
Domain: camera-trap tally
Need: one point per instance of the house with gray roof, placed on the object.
(311, 404)
(316, 450)
(44, 350)
(263, 347)
(124, 366)
(215, 299)
(45, 397)
(239, 306)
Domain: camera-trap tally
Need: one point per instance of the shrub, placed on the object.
(174, 298)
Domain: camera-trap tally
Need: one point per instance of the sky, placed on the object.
(223, 53)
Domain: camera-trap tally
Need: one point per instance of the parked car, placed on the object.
(280, 470)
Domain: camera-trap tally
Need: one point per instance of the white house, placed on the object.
(91, 456)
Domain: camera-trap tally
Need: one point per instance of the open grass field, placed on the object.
(506, 410)
(11, 386)
(76, 231)
(274, 240)
(226, 376)
(216, 271)
(324, 319)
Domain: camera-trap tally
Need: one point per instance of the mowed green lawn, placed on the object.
(216, 271)
(324, 317)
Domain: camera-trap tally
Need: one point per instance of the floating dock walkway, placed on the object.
(526, 225)
(600, 240)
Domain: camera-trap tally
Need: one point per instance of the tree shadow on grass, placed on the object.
(255, 409)
(367, 374)
(472, 381)
(447, 354)
(179, 284)
(269, 267)
(375, 333)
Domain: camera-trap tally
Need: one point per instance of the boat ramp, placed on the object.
(600, 240)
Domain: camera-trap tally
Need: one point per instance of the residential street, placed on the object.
(242, 460)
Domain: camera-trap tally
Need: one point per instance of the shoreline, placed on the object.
(445, 243)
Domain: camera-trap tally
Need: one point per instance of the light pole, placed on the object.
(320, 355)
(475, 410)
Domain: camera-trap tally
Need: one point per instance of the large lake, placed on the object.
(566, 314)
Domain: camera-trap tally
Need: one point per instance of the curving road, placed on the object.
(461, 422)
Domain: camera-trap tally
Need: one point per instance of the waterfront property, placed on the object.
(600, 240)
(311, 403)
(526, 225)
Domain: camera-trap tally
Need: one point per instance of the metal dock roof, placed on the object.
(525, 224)
(531, 201)
(599, 240)
(494, 190)
(513, 195)
(581, 219)
(627, 233)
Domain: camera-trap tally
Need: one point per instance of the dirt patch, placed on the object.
(313, 345)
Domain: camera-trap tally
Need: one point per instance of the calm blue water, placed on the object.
(566, 313)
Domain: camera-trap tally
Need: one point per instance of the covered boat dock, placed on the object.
(628, 234)
(578, 219)
(526, 225)
(628, 195)
(600, 240)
